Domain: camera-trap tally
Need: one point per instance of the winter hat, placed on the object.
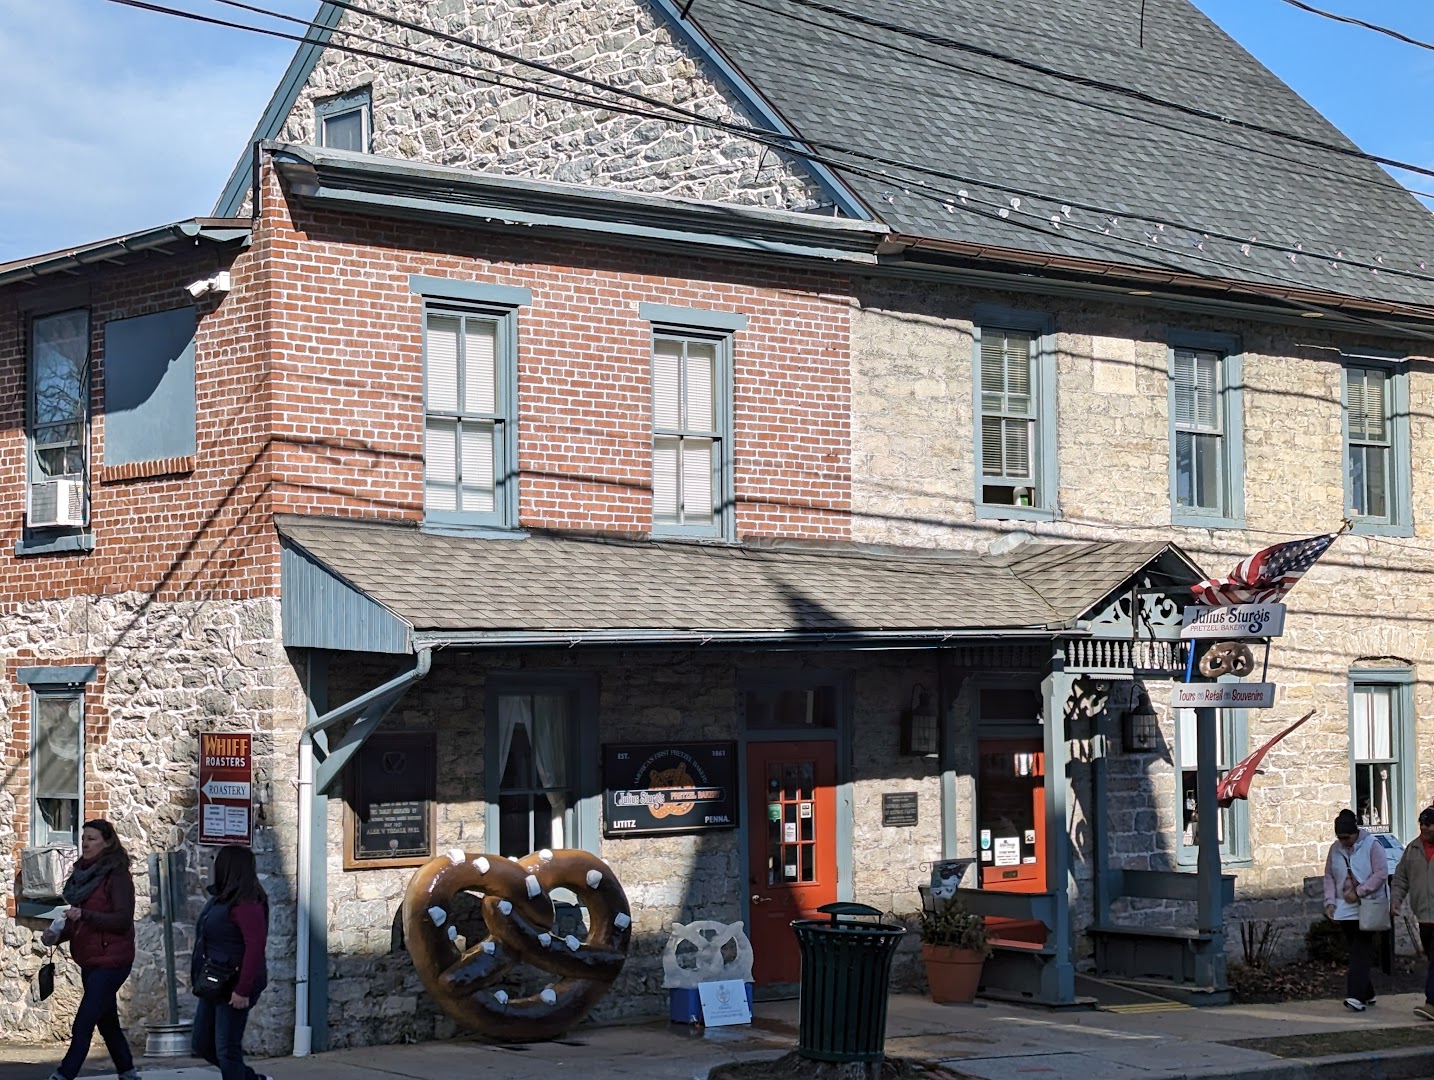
(1345, 823)
(1426, 816)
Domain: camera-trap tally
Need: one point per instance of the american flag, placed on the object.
(1266, 576)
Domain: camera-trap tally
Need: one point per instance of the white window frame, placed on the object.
(1044, 485)
(1232, 745)
(40, 834)
(33, 443)
(1229, 427)
(720, 436)
(1399, 684)
(356, 101)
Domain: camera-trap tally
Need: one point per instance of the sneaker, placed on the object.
(1354, 1004)
(130, 1074)
(1367, 1001)
(1426, 1010)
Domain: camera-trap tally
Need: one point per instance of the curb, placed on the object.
(1416, 1063)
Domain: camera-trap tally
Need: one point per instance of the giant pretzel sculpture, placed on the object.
(518, 911)
(1227, 658)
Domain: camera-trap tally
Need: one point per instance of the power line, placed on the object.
(779, 141)
(1351, 21)
(944, 41)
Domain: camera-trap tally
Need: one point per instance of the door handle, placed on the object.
(758, 899)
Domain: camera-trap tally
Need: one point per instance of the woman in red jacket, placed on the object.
(99, 925)
(230, 938)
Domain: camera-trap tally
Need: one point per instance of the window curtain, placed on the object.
(544, 717)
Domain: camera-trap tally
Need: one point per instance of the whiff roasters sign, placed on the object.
(226, 783)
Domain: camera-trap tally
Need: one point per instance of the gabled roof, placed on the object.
(566, 589)
(1005, 132)
(163, 240)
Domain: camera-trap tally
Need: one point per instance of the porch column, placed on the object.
(1058, 976)
(1210, 910)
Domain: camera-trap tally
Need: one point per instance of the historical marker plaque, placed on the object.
(391, 790)
(898, 809)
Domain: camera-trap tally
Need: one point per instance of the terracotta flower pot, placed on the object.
(953, 974)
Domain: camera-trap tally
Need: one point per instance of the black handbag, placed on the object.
(214, 980)
(43, 984)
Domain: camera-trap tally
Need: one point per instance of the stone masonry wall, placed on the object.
(455, 120)
(168, 671)
(1364, 604)
(649, 696)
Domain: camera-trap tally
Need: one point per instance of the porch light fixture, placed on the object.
(1140, 727)
(920, 731)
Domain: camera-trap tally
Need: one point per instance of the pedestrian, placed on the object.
(1414, 881)
(1355, 868)
(227, 970)
(99, 925)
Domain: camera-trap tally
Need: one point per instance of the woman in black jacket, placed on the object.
(229, 944)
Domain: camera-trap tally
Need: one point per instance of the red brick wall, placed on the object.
(348, 388)
(197, 529)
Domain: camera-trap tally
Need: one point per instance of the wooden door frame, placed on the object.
(841, 735)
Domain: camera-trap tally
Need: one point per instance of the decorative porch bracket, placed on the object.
(367, 711)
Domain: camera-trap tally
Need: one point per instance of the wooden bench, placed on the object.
(1139, 952)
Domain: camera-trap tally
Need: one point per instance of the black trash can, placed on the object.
(846, 969)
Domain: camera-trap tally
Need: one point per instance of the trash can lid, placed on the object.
(849, 910)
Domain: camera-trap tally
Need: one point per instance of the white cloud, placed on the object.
(113, 120)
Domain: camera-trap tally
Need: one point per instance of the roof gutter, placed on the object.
(72, 260)
(899, 245)
(781, 639)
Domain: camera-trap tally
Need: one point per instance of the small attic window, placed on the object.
(345, 122)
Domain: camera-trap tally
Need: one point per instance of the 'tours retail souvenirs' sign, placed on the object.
(226, 782)
(1225, 695)
(668, 787)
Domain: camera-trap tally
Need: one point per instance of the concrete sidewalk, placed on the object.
(988, 1040)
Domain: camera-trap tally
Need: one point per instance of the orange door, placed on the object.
(791, 844)
(1010, 824)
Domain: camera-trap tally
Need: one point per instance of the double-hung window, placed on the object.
(1376, 447)
(345, 122)
(690, 440)
(57, 766)
(469, 452)
(1015, 415)
(542, 764)
(59, 420)
(1381, 749)
(1206, 432)
(1233, 821)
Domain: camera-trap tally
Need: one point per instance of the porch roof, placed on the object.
(393, 587)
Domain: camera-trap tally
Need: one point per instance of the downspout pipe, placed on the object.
(303, 1029)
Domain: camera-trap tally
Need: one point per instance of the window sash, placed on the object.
(466, 429)
(1227, 753)
(529, 817)
(57, 766)
(58, 396)
(688, 444)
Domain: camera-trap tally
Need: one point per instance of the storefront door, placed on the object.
(791, 822)
(1010, 824)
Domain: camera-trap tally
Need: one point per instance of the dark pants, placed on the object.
(1426, 939)
(98, 1009)
(218, 1038)
(1357, 983)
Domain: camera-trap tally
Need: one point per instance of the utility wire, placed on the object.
(782, 141)
(1351, 21)
(774, 140)
(944, 41)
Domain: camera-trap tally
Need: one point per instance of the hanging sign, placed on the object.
(226, 782)
(1233, 622)
(671, 787)
(1227, 695)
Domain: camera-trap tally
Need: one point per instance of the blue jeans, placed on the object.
(98, 1009)
(218, 1038)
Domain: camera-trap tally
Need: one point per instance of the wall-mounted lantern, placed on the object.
(1140, 726)
(920, 727)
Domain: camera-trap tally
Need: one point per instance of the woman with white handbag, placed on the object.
(1356, 896)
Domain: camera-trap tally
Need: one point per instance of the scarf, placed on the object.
(84, 880)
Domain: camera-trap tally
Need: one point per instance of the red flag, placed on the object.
(1235, 784)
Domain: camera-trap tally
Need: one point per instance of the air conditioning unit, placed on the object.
(43, 871)
(57, 503)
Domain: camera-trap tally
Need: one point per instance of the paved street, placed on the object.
(985, 1040)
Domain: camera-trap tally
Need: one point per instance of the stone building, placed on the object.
(981, 400)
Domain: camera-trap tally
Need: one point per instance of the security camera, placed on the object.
(198, 288)
(215, 283)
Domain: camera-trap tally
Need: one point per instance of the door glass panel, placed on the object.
(791, 823)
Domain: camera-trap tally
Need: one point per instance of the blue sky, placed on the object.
(113, 119)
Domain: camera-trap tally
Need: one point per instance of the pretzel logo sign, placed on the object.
(518, 913)
(1227, 658)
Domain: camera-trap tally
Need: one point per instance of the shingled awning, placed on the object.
(394, 588)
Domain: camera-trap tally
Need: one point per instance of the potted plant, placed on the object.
(954, 945)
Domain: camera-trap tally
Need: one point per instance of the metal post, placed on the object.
(1057, 977)
(171, 1039)
(1210, 904)
(166, 894)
